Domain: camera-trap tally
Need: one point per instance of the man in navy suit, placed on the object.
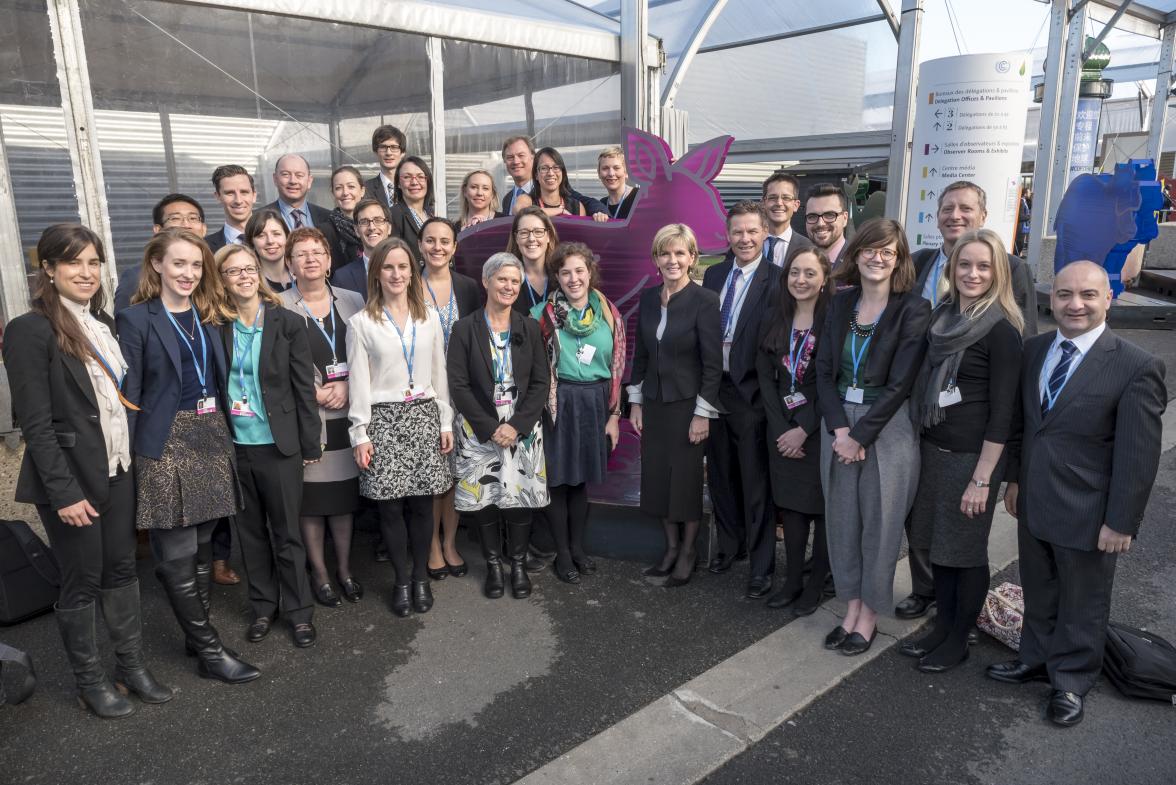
(293, 180)
(736, 452)
(174, 211)
(233, 187)
(781, 200)
(390, 145)
(373, 224)
(1079, 481)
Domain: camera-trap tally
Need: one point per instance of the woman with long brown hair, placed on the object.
(64, 368)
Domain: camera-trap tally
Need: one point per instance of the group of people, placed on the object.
(301, 367)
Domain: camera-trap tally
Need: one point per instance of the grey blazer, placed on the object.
(347, 304)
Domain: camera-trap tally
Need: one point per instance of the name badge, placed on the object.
(206, 405)
(338, 372)
(413, 394)
(950, 397)
(501, 396)
(585, 354)
(855, 395)
(794, 400)
(240, 409)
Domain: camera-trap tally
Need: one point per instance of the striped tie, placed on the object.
(297, 216)
(1057, 379)
(729, 301)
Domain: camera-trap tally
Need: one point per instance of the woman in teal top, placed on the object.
(275, 425)
(584, 336)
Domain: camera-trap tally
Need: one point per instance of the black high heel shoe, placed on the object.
(657, 571)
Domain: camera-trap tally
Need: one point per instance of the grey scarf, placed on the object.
(948, 336)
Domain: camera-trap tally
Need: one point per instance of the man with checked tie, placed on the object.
(1079, 482)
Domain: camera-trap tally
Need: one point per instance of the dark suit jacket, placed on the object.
(56, 409)
(351, 276)
(154, 376)
(1024, 290)
(776, 382)
(404, 227)
(374, 189)
(286, 377)
(896, 352)
(216, 240)
(321, 217)
(744, 343)
(688, 360)
(508, 198)
(798, 241)
(128, 282)
(1093, 458)
(471, 373)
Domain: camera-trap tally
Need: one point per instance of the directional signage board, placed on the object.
(969, 125)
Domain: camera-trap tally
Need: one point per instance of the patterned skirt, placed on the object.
(406, 457)
(514, 477)
(193, 481)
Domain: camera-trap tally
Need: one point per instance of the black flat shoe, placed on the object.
(656, 571)
(720, 564)
(304, 635)
(803, 608)
(1065, 708)
(258, 629)
(913, 649)
(585, 565)
(439, 574)
(457, 570)
(422, 596)
(571, 576)
(401, 605)
(857, 644)
(535, 564)
(352, 591)
(939, 667)
(1016, 672)
(784, 597)
(758, 588)
(914, 607)
(326, 596)
(673, 582)
(835, 638)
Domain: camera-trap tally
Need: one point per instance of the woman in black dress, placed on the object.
(964, 402)
(786, 365)
(677, 366)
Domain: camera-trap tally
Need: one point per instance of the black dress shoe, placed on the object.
(913, 649)
(422, 596)
(457, 570)
(439, 574)
(535, 564)
(857, 644)
(571, 576)
(803, 607)
(741, 556)
(352, 591)
(326, 596)
(914, 607)
(784, 597)
(258, 629)
(674, 583)
(585, 565)
(939, 667)
(1016, 672)
(401, 605)
(720, 564)
(758, 588)
(973, 636)
(304, 635)
(835, 638)
(1065, 708)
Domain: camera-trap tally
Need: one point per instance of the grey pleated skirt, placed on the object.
(577, 449)
(954, 539)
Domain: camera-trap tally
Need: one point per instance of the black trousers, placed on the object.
(222, 540)
(98, 556)
(1067, 606)
(737, 475)
(269, 534)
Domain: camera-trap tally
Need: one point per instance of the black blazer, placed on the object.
(745, 342)
(286, 376)
(1024, 290)
(776, 382)
(128, 282)
(321, 217)
(406, 229)
(351, 276)
(688, 360)
(798, 241)
(509, 197)
(471, 373)
(154, 377)
(466, 292)
(374, 189)
(216, 240)
(56, 409)
(896, 353)
(1092, 459)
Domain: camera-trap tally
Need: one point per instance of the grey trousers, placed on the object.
(866, 503)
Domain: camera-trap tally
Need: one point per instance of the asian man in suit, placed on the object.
(174, 211)
(293, 179)
(1079, 482)
(736, 452)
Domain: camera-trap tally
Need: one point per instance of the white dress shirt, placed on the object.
(780, 252)
(1083, 343)
(112, 416)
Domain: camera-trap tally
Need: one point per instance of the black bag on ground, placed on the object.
(29, 577)
(16, 668)
(1140, 664)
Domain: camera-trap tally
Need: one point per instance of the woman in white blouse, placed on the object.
(401, 420)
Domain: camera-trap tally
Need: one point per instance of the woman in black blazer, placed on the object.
(872, 346)
(184, 462)
(63, 369)
(452, 295)
(274, 420)
(677, 366)
(414, 201)
(498, 383)
(786, 365)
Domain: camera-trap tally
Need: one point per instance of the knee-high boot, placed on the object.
(95, 691)
(520, 582)
(492, 552)
(120, 607)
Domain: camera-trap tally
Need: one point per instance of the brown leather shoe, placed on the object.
(223, 574)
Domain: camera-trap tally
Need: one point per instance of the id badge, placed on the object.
(240, 409)
(412, 394)
(795, 400)
(855, 395)
(585, 354)
(338, 372)
(950, 397)
(206, 405)
(501, 396)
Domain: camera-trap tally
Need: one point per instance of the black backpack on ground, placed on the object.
(29, 577)
(17, 677)
(1140, 664)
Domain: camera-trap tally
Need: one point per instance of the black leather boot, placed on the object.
(179, 581)
(520, 582)
(95, 692)
(120, 607)
(491, 550)
(422, 596)
(204, 584)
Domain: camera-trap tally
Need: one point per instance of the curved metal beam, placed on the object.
(670, 91)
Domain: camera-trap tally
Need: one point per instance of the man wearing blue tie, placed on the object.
(781, 200)
(1079, 482)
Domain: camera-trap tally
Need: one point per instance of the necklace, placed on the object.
(190, 333)
(559, 206)
(859, 330)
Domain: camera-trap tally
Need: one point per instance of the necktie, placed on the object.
(391, 189)
(1057, 379)
(297, 216)
(770, 248)
(729, 300)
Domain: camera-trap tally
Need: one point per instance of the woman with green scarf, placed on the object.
(584, 335)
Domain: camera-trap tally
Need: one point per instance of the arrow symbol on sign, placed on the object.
(938, 113)
(930, 194)
(935, 148)
(932, 171)
(938, 125)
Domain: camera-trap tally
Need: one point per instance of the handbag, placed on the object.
(1003, 613)
(29, 575)
(1140, 664)
(26, 681)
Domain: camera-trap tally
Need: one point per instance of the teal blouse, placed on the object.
(845, 378)
(600, 339)
(244, 386)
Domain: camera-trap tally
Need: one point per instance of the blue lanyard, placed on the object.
(503, 351)
(739, 298)
(794, 354)
(240, 355)
(531, 292)
(202, 365)
(314, 320)
(1049, 399)
(118, 380)
(448, 317)
(856, 355)
(408, 357)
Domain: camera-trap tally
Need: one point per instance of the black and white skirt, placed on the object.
(406, 457)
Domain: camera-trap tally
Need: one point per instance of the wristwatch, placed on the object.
(981, 483)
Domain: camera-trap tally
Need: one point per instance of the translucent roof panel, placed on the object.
(561, 11)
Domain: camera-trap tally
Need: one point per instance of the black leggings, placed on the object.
(796, 534)
(568, 516)
(407, 522)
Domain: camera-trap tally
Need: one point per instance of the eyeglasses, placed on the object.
(364, 223)
(237, 272)
(548, 169)
(885, 254)
(828, 217)
(774, 199)
(526, 234)
(385, 149)
(413, 178)
(306, 257)
(190, 219)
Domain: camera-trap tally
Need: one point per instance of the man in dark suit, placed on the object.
(174, 211)
(390, 145)
(736, 452)
(826, 215)
(781, 200)
(233, 187)
(1079, 481)
(373, 224)
(292, 178)
(962, 209)
(518, 155)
